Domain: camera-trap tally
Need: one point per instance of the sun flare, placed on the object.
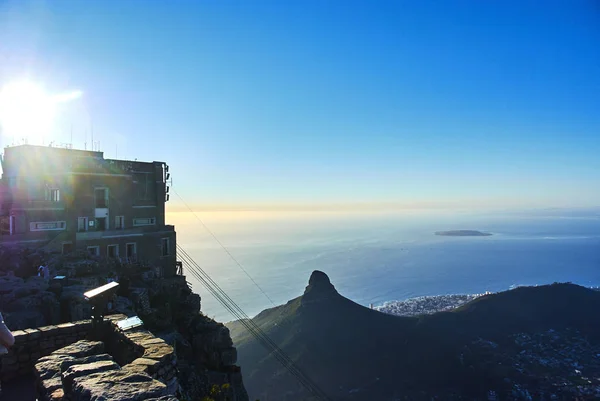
(27, 111)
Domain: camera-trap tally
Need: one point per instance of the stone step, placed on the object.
(76, 371)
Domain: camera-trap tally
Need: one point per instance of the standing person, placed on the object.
(6, 341)
(46, 272)
(6, 338)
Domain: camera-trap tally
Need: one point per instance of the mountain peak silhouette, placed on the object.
(319, 288)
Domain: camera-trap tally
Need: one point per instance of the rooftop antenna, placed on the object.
(92, 130)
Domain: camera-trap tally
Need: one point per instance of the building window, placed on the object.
(131, 251)
(144, 222)
(101, 197)
(93, 250)
(82, 224)
(47, 225)
(113, 251)
(119, 222)
(164, 246)
(53, 195)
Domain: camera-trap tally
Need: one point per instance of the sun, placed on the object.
(27, 111)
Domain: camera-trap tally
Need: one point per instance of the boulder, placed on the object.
(49, 386)
(117, 385)
(27, 303)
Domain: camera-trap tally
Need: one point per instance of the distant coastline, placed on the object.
(463, 233)
(427, 305)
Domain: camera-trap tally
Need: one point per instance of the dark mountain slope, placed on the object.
(353, 352)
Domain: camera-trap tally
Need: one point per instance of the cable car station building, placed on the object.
(64, 199)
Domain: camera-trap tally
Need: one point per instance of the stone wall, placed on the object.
(139, 350)
(136, 350)
(32, 344)
(127, 347)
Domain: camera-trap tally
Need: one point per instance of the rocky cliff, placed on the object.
(204, 349)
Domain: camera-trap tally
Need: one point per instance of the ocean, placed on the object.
(373, 258)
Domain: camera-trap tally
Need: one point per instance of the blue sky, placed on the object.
(311, 102)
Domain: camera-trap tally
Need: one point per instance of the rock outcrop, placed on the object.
(165, 304)
(319, 289)
(83, 371)
(27, 303)
(207, 358)
(48, 369)
(117, 385)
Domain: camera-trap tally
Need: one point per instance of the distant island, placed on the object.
(463, 233)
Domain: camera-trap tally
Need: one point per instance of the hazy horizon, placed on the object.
(373, 207)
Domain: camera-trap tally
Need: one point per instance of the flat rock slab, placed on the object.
(81, 349)
(151, 341)
(159, 352)
(67, 363)
(117, 385)
(75, 371)
(146, 365)
(48, 367)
